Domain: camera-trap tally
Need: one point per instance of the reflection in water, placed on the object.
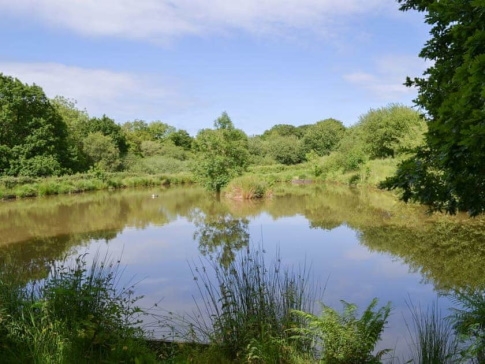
(447, 251)
(220, 235)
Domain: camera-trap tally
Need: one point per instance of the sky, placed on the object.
(184, 62)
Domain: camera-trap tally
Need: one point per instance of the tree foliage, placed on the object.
(107, 127)
(286, 150)
(75, 120)
(33, 136)
(448, 173)
(323, 136)
(221, 154)
(391, 130)
(102, 151)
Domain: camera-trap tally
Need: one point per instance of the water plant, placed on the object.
(247, 187)
(246, 314)
(432, 337)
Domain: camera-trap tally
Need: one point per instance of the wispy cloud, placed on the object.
(386, 79)
(101, 91)
(164, 19)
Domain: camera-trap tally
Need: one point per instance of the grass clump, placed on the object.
(246, 188)
(247, 311)
(76, 314)
(433, 339)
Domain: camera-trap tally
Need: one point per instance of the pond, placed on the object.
(357, 244)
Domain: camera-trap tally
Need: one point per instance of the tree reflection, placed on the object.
(33, 259)
(220, 235)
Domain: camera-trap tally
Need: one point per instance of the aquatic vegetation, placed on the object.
(432, 337)
(246, 188)
(247, 309)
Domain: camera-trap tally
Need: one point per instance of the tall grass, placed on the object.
(433, 338)
(77, 314)
(11, 187)
(246, 314)
(246, 188)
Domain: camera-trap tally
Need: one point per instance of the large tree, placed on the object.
(448, 173)
(221, 154)
(33, 135)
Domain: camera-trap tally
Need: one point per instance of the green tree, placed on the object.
(109, 128)
(284, 130)
(391, 130)
(286, 150)
(221, 154)
(74, 119)
(102, 151)
(33, 136)
(323, 136)
(448, 173)
(181, 138)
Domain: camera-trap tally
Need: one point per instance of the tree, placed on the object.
(33, 136)
(75, 119)
(391, 130)
(448, 173)
(284, 130)
(181, 138)
(109, 128)
(286, 150)
(221, 154)
(323, 136)
(102, 151)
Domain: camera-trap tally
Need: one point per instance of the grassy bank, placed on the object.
(19, 187)
(328, 169)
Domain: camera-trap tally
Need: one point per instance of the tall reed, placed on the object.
(247, 308)
(432, 337)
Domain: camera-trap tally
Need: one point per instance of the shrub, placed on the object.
(246, 188)
(76, 312)
(469, 323)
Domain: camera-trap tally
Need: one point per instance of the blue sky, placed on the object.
(184, 62)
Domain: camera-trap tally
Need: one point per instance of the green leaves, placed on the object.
(452, 93)
(33, 136)
(345, 338)
(221, 154)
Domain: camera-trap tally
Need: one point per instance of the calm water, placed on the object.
(358, 244)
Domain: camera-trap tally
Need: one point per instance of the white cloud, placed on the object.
(163, 19)
(385, 81)
(121, 95)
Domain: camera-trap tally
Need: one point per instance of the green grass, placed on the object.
(77, 314)
(246, 188)
(22, 187)
(247, 311)
(433, 338)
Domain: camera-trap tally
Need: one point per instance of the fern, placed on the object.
(342, 338)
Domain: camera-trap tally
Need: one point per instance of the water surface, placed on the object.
(358, 244)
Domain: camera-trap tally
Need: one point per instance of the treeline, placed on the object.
(42, 137)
